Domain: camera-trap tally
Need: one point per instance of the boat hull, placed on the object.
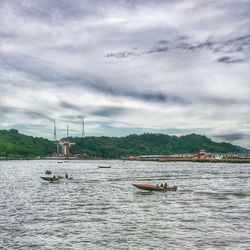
(49, 178)
(150, 187)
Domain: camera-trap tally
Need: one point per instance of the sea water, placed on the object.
(100, 209)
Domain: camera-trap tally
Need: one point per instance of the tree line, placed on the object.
(12, 143)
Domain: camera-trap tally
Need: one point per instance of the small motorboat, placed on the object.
(104, 166)
(50, 178)
(150, 187)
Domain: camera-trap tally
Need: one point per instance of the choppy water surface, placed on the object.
(100, 209)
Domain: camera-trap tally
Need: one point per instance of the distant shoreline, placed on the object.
(236, 161)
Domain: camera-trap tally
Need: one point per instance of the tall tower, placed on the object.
(67, 130)
(83, 131)
(55, 138)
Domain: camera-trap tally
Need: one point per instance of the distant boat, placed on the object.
(104, 166)
(56, 179)
(50, 178)
(150, 187)
(60, 162)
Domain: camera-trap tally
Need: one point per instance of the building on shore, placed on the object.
(132, 158)
(203, 156)
(231, 156)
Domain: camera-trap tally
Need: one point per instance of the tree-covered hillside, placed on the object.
(145, 144)
(14, 144)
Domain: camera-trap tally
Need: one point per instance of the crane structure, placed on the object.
(66, 145)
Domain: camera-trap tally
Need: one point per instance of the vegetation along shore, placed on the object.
(14, 145)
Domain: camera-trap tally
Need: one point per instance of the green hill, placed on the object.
(13, 144)
(149, 144)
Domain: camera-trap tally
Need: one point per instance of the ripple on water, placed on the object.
(102, 210)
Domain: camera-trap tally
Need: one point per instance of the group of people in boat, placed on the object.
(62, 177)
(165, 185)
(48, 172)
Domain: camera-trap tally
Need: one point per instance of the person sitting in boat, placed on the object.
(66, 176)
(157, 185)
(161, 185)
(165, 185)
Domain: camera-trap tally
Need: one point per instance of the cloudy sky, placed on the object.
(128, 66)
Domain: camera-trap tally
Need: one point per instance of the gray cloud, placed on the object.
(35, 115)
(48, 11)
(110, 111)
(228, 59)
(32, 67)
(121, 54)
(67, 105)
(158, 49)
(5, 110)
(232, 137)
(233, 45)
(71, 117)
(7, 35)
(40, 70)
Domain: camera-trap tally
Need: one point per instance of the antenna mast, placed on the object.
(83, 131)
(67, 130)
(55, 137)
